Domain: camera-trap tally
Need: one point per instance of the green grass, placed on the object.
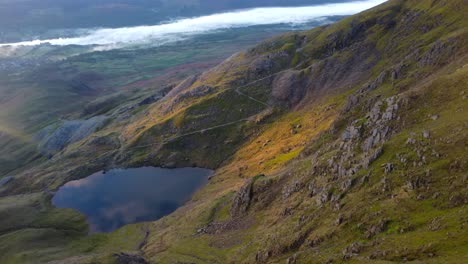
(280, 225)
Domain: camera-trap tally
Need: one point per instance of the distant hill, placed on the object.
(28, 18)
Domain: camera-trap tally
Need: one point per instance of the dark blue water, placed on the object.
(125, 196)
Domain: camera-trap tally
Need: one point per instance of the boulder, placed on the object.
(288, 87)
(426, 134)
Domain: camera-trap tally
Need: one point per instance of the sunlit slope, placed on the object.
(292, 71)
(387, 97)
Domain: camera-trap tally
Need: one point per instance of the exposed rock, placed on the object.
(396, 72)
(436, 53)
(390, 111)
(315, 242)
(5, 180)
(289, 190)
(262, 256)
(410, 141)
(374, 84)
(313, 189)
(372, 157)
(288, 87)
(352, 101)
(287, 211)
(347, 184)
(376, 138)
(385, 184)
(242, 199)
(388, 167)
(435, 224)
(378, 254)
(150, 100)
(376, 115)
(323, 197)
(267, 64)
(292, 260)
(365, 178)
(184, 85)
(426, 134)
(231, 225)
(161, 94)
(123, 258)
(201, 231)
(54, 138)
(339, 220)
(376, 229)
(415, 183)
(351, 132)
(335, 198)
(352, 250)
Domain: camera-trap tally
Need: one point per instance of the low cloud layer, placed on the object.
(183, 28)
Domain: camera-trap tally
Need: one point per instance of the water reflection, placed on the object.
(124, 196)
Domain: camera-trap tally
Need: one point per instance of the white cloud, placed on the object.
(183, 28)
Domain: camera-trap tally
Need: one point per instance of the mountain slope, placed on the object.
(384, 181)
(345, 143)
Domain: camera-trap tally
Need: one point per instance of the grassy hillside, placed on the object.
(342, 144)
(376, 114)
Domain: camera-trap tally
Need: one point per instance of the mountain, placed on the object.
(342, 144)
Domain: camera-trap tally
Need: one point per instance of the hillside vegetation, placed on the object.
(342, 144)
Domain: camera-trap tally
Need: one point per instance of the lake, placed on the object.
(124, 196)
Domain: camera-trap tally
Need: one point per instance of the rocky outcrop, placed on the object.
(438, 53)
(351, 132)
(359, 146)
(352, 250)
(381, 113)
(241, 201)
(288, 87)
(156, 97)
(267, 64)
(124, 258)
(184, 85)
(376, 228)
(196, 92)
(5, 180)
(293, 188)
(56, 137)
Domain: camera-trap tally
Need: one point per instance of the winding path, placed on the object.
(200, 131)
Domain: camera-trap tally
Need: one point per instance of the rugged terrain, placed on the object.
(345, 143)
